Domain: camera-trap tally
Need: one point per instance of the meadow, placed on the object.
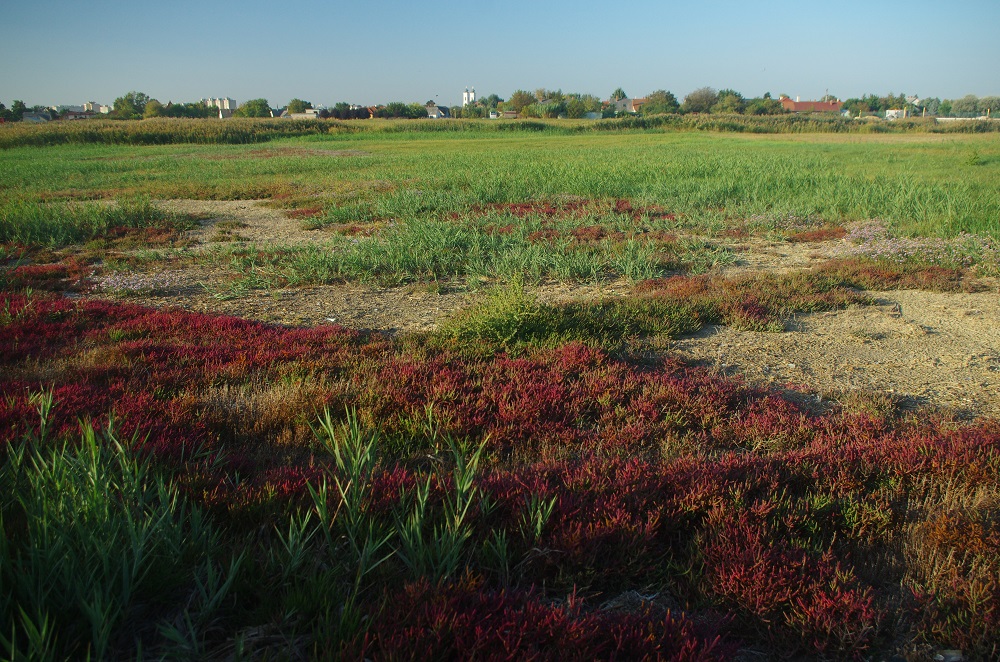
(529, 479)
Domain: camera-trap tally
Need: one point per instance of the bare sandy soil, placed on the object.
(921, 348)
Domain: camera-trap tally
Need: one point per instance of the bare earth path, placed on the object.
(925, 348)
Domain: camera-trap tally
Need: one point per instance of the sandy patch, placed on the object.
(925, 348)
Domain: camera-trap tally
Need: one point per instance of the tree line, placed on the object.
(543, 103)
(968, 106)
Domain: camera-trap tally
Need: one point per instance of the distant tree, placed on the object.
(131, 106)
(298, 106)
(472, 110)
(578, 105)
(392, 109)
(491, 101)
(253, 108)
(519, 100)
(153, 109)
(932, 106)
(550, 109)
(592, 103)
(854, 106)
(991, 104)
(194, 109)
(874, 103)
(700, 101)
(892, 101)
(967, 105)
(344, 111)
(828, 98)
(575, 108)
(728, 101)
(660, 102)
(555, 96)
(398, 109)
(944, 108)
(763, 106)
(4, 113)
(341, 110)
(618, 94)
(17, 110)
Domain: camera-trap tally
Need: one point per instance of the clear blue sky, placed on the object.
(61, 52)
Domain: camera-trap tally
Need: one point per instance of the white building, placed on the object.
(222, 103)
(468, 97)
(95, 107)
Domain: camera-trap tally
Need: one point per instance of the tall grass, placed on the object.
(428, 249)
(919, 183)
(165, 131)
(93, 540)
(63, 223)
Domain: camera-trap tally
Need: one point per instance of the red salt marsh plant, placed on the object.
(600, 472)
(578, 209)
(428, 622)
(803, 604)
(70, 275)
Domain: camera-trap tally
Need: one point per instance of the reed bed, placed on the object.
(243, 131)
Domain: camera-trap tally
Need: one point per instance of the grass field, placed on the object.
(529, 478)
(921, 183)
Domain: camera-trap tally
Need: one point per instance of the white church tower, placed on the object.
(468, 97)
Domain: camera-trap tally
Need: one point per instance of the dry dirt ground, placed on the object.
(919, 348)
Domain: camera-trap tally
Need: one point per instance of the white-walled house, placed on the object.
(436, 112)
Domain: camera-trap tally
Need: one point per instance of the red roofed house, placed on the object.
(810, 106)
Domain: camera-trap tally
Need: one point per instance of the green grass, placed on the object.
(62, 223)
(920, 183)
(97, 541)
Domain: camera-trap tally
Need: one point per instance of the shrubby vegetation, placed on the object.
(164, 131)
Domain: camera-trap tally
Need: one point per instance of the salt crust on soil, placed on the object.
(924, 348)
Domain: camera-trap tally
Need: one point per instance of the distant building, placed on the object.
(630, 106)
(223, 103)
(436, 112)
(468, 97)
(895, 114)
(78, 115)
(307, 114)
(36, 118)
(95, 107)
(810, 106)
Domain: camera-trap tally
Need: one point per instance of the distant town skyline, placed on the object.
(373, 53)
